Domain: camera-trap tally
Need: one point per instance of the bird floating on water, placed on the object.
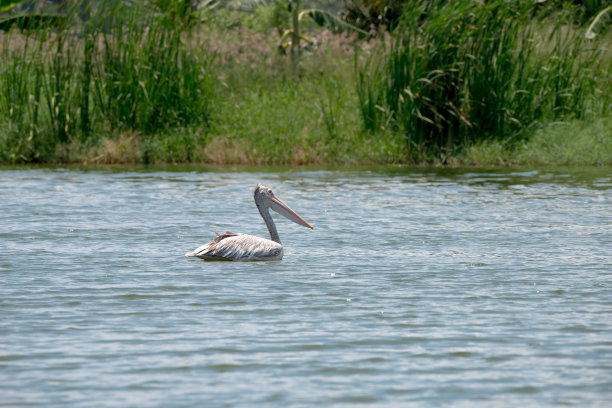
(230, 246)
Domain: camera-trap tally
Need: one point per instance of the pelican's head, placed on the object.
(264, 195)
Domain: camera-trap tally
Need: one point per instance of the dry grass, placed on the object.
(223, 151)
(126, 149)
(243, 45)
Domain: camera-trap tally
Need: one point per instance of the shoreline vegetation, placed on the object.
(461, 83)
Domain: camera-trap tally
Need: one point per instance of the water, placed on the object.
(416, 288)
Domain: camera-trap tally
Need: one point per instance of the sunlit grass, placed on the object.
(463, 73)
(269, 110)
(80, 84)
(459, 88)
(575, 143)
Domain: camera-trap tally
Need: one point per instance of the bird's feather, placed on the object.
(238, 247)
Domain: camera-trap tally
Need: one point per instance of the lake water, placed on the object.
(417, 287)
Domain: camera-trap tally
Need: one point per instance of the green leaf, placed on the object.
(9, 4)
(328, 20)
(602, 21)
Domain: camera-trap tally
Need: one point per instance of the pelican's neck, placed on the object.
(265, 214)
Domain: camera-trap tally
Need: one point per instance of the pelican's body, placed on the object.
(230, 246)
(239, 247)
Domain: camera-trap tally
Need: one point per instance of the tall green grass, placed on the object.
(146, 78)
(23, 120)
(130, 69)
(461, 72)
(137, 84)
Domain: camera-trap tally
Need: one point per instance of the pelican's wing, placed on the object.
(211, 246)
(238, 247)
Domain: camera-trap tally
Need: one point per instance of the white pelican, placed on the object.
(230, 246)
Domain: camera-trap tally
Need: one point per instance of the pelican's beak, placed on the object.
(283, 209)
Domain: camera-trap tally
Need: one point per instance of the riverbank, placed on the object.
(228, 97)
(563, 144)
(310, 117)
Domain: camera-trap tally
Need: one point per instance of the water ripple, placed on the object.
(416, 288)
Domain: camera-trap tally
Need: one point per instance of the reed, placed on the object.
(455, 80)
(23, 118)
(461, 72)
(127, 69)
(146, 79)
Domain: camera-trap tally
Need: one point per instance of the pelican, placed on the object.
(230, 246)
